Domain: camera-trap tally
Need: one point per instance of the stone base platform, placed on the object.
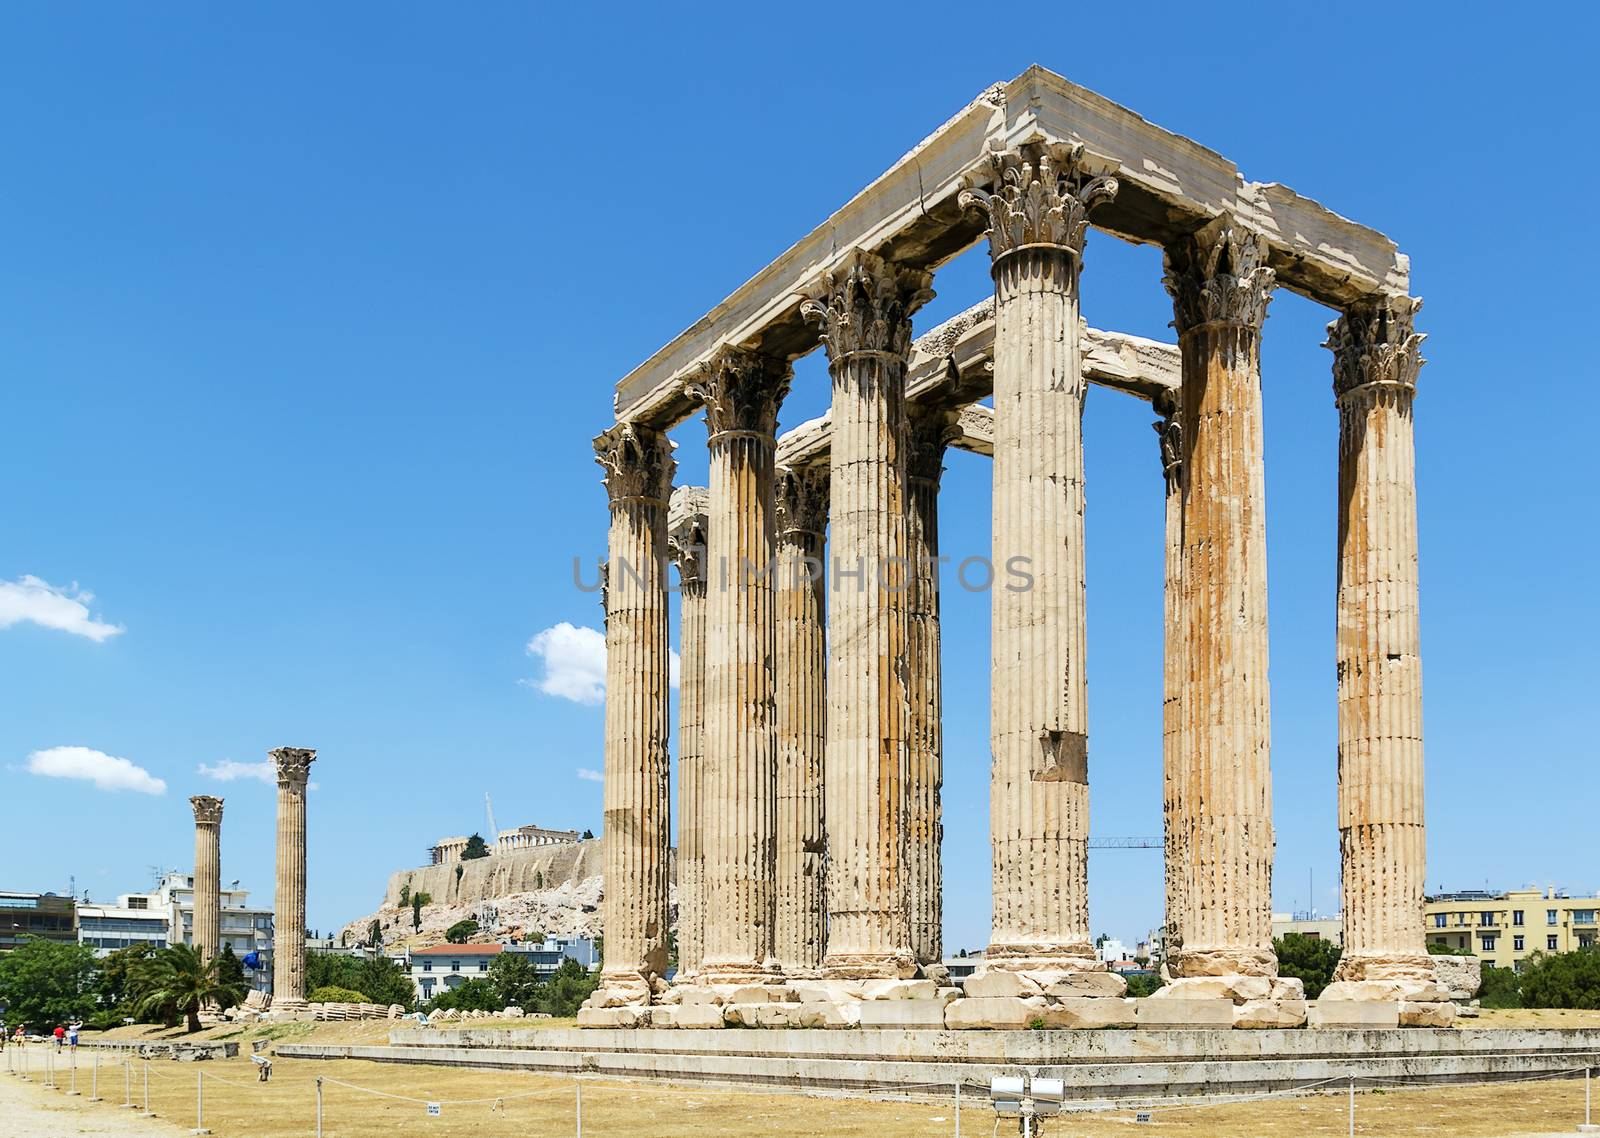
(1103, 1066)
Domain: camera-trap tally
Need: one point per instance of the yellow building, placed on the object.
(1507, 928)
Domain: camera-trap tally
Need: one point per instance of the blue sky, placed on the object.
(308, 316)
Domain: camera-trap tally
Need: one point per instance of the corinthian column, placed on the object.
(802, 512)
(1382, 842)
(928, 434)
(638, 468)
(289, 897)
(741, 391)
(1220, 286)
(1170, 430)
(864, 307)
(207, 875)
(1039, 794)
(687, 537)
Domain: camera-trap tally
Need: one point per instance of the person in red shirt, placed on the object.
(61, 1033)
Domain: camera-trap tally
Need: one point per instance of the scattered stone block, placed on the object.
(1435, 1014)
(899, 990)
(1152, 1012)
(1090, 1012)
(742, 1015)
(1077, 984)
(696, 1016)
(828, 1014)
(993, 984)
(1269, 1013)
(614, 1017)
(1234, 988)
(1004, 1012)
(901, 1013)
(1355, 1013)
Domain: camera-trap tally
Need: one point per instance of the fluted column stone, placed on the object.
(207, 875)
(864, 308)
(638, 466)
(1382, 841)
(800, 935)
(687, 537)
(1039, 796)
(293, 766)
(1170, 430)
(928, 434)
(1221, 285)
(741, 391)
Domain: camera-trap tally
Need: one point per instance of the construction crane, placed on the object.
(1125, 843)
(488, 806)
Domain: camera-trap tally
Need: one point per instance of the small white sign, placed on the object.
(1142, 1116)
(433, 1110)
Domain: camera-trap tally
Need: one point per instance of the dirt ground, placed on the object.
(381, 1100)
(1531, 1017)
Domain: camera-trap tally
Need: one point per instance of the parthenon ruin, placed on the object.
(809, 731)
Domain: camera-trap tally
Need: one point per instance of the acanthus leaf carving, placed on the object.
(686, 534)
(293, 765)
(865, 305)
(1375, 344)
(1219, 275)
(207, 808)
(801, 498)
(1041, 196)
(742, 391)
(637, 461)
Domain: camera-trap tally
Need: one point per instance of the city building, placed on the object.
(446, 966)
(1310, 924)
(24, 915)
(135, 918)
(1505, 929)
(549, 955)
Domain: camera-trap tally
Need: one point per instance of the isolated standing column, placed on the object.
(289, 898)
(1382, 841)
(687, 537)
(638, 468)
(802, 715)
(1170, 429)
(207, 875)
(1039, 796)
(1220, 286)
(864, 307)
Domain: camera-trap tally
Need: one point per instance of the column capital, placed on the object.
(294, 765)
(1040, 197)
(207, 808)
(1374, 344)
(1219, 275)
(929, 431)
(686, 534)
(637, 461)
(864, 306)
(1170, 429)
(741, 390)
(801, 496)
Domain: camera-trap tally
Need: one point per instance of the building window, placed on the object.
(483, 966)
(1549, 916)
(427, 966)
(1550, 943)
(1586, 940)
(1486, 919)
(1516, 944)
(1516, 916)
(427, 989)
(1489, 940)
(455, 966)
(1583, 916)
(1438, 920)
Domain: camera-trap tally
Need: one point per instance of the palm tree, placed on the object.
(175, 981)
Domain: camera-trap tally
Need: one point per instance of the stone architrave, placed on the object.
(1220, 286)
(207, 875)
(1038, 210)
(293, 766)
(928, 434)
(1170, 429)
(687, 538)
(864, 307)
(638, 466)
(741, 391)
(800, 936)
(1382, 841)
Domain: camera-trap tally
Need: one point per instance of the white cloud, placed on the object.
(29, 599)
(590, 776)
(108, 772)
(575, 663)
(227, 770)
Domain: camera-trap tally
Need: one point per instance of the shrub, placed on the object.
(333, 995)
(1562, 980)
(1143, 983)
(468, 996)
(1501, 988)
(1310, 959)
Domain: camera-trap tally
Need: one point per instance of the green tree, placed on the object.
(516, 982)
(1501, 988)
(375, 934)
(1143, 983)
(332, 995)
(405, 895)
(1562, 980)
(115, 984)
(44, 983)
(175, 982)
(384, 981)
(564, 992)
(476, 848)
(461, 931)
(1308, 958)
(588, 836)
(229, 970)
(469, 996)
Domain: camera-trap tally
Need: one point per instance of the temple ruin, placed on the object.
(809, 734)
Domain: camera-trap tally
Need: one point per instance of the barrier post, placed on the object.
(958, 1108)
(1352, 1106)
(127, 1082)
(578, 1086)
(1588, 1126)
(319, 1106)
(199, 1103)
(147, 1112)
(72, 1077)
